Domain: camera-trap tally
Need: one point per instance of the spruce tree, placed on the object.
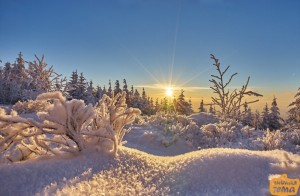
(182, 106)
(125, 88)
(104, 91)
(73, 85)
(265, 118)
(256, 120)
(117, 87)
(274, 116)
(211, 109)
(89, 96)
(201, 108)
(294, 112)
(157, 106)
(144, 94)
(165, 105)
(99, 92)
(109, 90)
(131, 91)
(82, 87)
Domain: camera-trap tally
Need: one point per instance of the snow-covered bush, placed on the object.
(112, 115)
(67, 126)
(192, 134)
(31, 106)
(247, 131)
(203, 118)
(219, 134)
(272, 140)
(293, 136)
(171, 127)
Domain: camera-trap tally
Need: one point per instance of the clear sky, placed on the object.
(154, 43)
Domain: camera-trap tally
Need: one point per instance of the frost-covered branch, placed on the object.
(229, 102)
(67, 126)
(112, 115)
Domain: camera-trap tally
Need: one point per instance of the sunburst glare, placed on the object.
(169, 92)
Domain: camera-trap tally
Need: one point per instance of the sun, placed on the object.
(169, 92)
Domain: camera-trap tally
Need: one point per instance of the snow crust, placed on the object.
(217, 171)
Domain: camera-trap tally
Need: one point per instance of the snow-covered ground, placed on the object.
(204, 172)
(162, 156)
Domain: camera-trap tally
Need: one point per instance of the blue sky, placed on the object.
(143, 40)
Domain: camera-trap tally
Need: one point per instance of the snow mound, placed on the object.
(203, 118)
(215, 171)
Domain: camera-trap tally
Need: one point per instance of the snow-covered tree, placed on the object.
(190, 106)
(265, 118)
(248, 118)
(229, 102)
(104, 92)
(99, 93)
(294, 112)
(43, 79)
(211, 109)
(125, 89)
(157, 106)
(165, 105)
(19, 82)
(90, 94)
(131, 91)
(274, 117)
(109, 90)
(144, 94)
(256, 120)
(182, 106)
(117, 87)
(73, 85)
(82, 87)
(201, 108)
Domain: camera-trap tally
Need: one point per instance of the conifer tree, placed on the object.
(99, 92)
(82, 87)
(275, 119)
(211, 109)
(201, 108)
(157, 106)
(89, 96)
(109, 90)
(136, 99)
(248, 117)
(144, 94)
(256, 120)
(117, 87)
(104, 92)
(294, 112)
(73, 84)
(165, 105)
(136, 93)
(182, 106)
(125, 88)
(190, 108)
(131, 91)
(265, 118)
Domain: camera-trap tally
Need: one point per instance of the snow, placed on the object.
(217, 171)
(157, 160)
(149, 140)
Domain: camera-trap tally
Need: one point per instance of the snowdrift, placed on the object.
(215, 171)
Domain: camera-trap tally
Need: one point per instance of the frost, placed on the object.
(67, 126)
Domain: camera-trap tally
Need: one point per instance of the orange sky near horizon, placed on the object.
(284, 97)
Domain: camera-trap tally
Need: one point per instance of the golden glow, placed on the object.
(169, 92)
